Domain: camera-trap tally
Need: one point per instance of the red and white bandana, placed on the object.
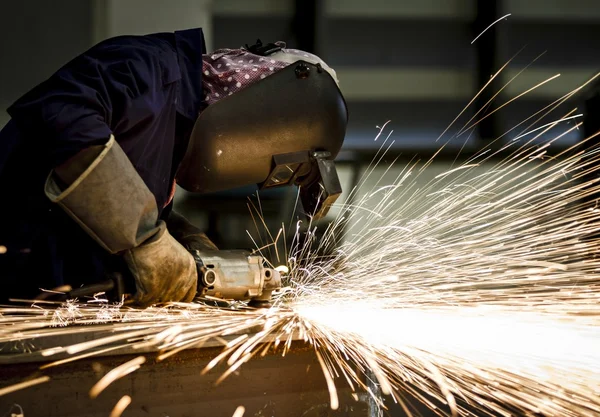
(226, 71)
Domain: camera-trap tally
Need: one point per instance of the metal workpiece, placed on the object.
(236, 275)
(266, 386)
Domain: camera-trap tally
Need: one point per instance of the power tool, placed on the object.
(236, 275)
(226, 275)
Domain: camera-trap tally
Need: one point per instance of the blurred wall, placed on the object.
(408, 61)
(139, 17)
(36, 38)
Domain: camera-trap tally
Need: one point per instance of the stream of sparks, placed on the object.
(473, 289)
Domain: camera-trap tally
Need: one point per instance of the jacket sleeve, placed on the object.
(91, 96)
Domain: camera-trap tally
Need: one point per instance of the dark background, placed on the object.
(411, 62)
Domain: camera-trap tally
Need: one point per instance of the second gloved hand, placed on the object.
(187, 234)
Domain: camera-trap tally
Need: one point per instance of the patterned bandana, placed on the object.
(226, 71)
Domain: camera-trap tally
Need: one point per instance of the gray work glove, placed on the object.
(101, 190)
(187, 234)
(163, 269)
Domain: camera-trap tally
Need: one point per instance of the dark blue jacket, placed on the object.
(146, 91)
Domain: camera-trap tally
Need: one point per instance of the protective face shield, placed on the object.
(286, 128)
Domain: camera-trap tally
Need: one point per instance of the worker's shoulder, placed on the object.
(163, 41)
(132, 46)
(157, 50)
(143, 56)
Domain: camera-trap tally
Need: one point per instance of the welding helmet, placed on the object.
(284, 127)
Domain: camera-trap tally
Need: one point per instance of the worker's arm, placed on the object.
(110, 88)
(72, 117)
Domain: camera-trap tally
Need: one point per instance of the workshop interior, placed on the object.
(406, 70)
(406, 62)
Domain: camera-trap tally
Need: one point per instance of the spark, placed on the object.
(283, 269)
(19, 413)
(116, 373)
(23, 385)
(334, 401)
(541, 83)
(487, 28)
(120, 406)
(474, 288)
(239, 412)
(548, 124)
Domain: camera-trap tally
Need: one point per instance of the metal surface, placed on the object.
(17, 353)
(269, 386)
(266, 386)
(374, 409)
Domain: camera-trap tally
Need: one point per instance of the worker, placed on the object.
(90, 159)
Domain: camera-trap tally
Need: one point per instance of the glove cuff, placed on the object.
(107, 198)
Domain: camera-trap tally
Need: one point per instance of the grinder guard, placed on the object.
(285, 129)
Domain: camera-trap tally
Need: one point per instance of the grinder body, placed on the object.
(236, 275)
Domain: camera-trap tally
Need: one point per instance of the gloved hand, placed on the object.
(163, 270)
(187, 234)
(101, 190)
